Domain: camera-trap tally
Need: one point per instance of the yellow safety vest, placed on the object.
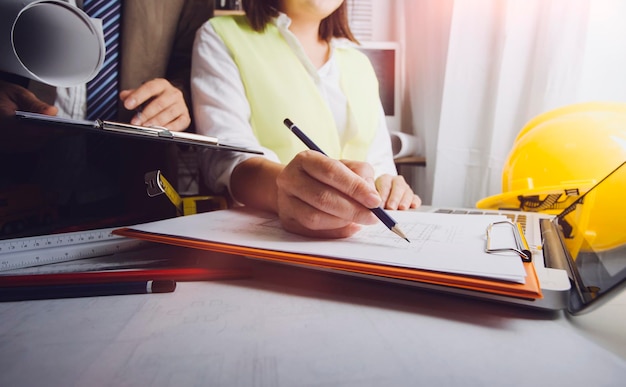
(278, 86)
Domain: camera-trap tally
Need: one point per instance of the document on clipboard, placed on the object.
(449, 250)
(145, 132)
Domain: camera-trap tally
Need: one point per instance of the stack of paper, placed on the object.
(444, 249)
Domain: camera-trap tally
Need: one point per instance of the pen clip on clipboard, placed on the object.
(521, 246)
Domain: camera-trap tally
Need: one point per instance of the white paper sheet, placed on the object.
(50, 41)
(439, 242)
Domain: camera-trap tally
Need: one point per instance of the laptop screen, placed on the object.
(593, 230)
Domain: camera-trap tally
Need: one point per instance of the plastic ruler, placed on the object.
(46, 249)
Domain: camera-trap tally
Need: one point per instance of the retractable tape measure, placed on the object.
(157, 184)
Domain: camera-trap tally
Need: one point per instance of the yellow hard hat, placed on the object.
(559, 155)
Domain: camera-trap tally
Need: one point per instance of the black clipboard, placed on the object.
(145, 132)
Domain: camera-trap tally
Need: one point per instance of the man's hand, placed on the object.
(23, 137)
(159, 103)
(14, 97)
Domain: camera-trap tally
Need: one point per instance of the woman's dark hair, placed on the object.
(260, 12)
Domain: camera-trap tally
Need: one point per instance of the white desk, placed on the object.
(288, 326)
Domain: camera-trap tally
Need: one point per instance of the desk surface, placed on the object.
(288, 326)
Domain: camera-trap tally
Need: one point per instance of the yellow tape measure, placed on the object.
(157, 184)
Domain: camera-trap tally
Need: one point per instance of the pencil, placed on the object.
(91, 277)
(42, 292)
(379, 212)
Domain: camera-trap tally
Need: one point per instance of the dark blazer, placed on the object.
(157, 39)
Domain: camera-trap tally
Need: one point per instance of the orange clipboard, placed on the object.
(528, 290)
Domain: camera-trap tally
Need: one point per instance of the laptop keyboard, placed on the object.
(512, 216)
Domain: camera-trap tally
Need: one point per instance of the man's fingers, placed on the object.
(25, 100)
(133, 99)
(163, 109)
(159, 103)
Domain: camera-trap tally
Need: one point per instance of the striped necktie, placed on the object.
(102, 91)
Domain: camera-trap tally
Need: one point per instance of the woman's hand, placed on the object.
(396, 194)
(317, 196)
(321, 197)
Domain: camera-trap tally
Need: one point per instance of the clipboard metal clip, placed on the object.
(521, 246)
(163, 132)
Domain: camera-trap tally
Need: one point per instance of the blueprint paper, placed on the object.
(50, 41)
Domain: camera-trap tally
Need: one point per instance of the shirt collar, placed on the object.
(282, 22)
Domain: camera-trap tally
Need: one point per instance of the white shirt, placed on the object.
(72, 102)
(221, 108)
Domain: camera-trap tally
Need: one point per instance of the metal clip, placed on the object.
(521, 246)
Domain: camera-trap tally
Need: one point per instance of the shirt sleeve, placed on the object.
(380, 155)
(220, 108)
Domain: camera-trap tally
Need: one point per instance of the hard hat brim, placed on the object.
(510, 201)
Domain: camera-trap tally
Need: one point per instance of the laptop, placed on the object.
(579, 254)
